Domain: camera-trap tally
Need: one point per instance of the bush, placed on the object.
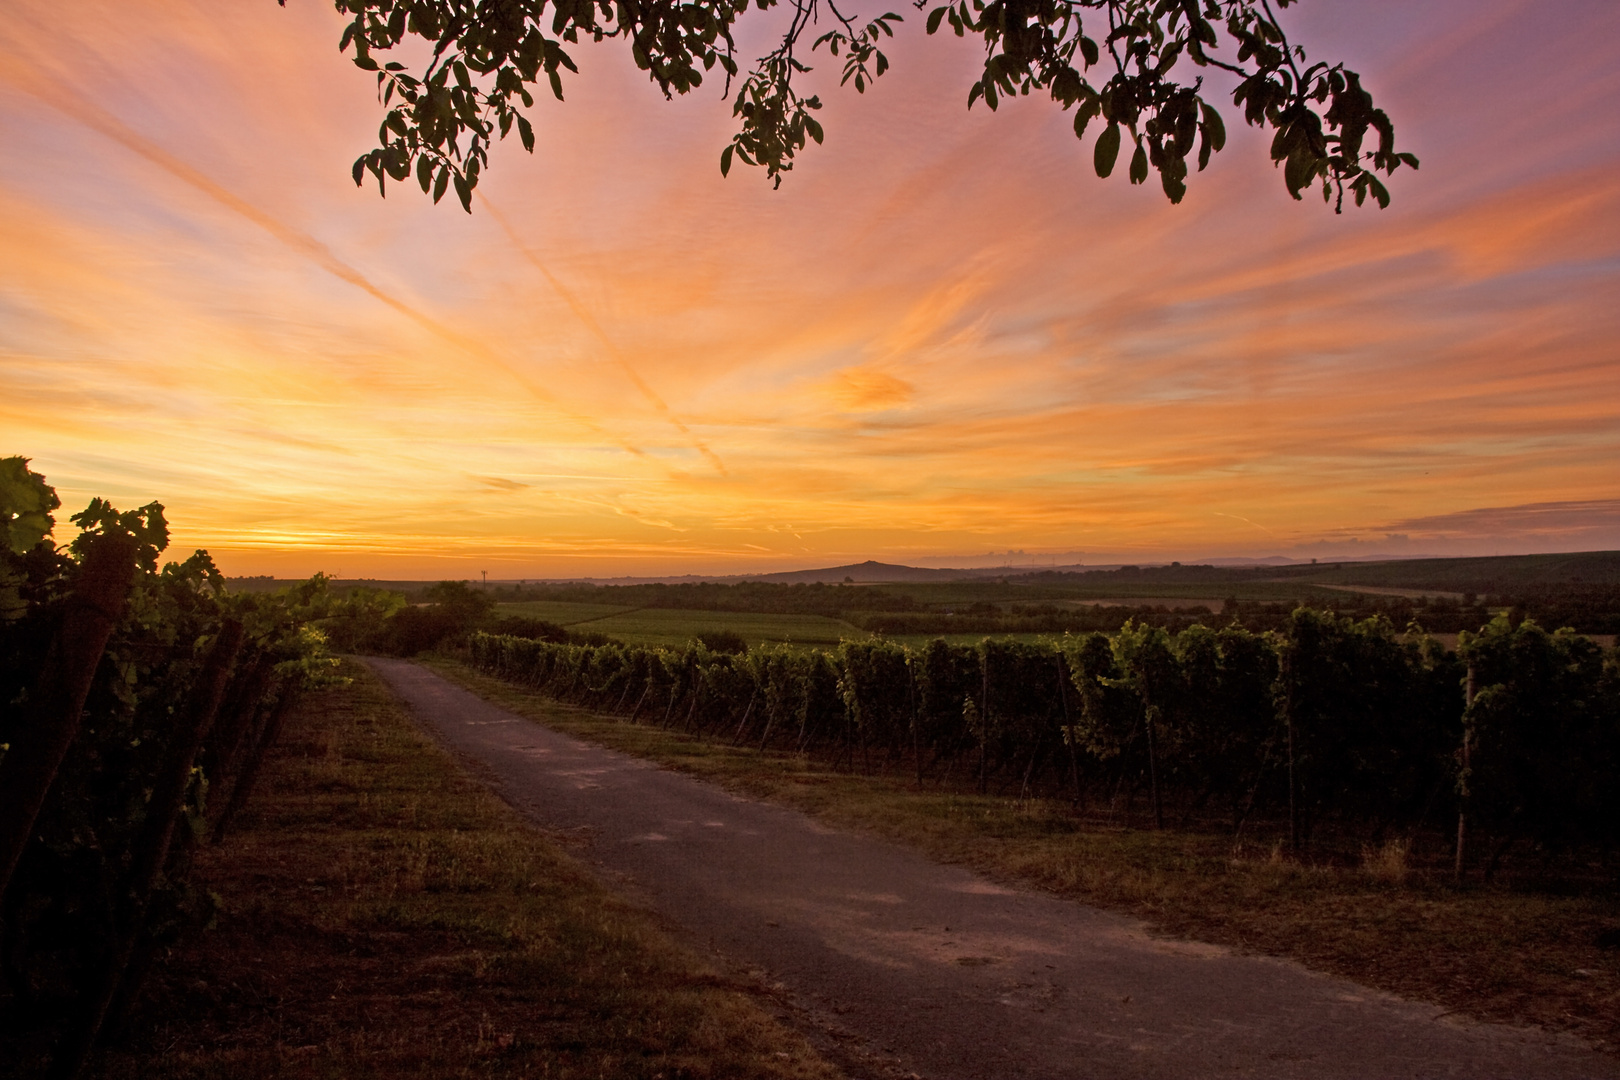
(724, 641)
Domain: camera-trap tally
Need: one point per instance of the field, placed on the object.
(1105, 589)
(676, 626)
(561, 612)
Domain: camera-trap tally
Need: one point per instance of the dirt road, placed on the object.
(902, 966)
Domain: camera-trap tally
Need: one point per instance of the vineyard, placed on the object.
(139, 701)
(1329, 731)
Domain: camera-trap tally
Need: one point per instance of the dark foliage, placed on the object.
(1335, 724)
(135, 714)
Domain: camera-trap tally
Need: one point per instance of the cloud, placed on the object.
(64, 98)
(865, 390)
(501, 484)
(942, 334)
(1556, 522)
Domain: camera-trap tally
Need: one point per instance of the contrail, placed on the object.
(69, 102)
(585, 317)
(1239, 517)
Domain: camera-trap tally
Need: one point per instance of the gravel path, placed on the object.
(898, 966)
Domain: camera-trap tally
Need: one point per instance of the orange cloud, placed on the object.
(942, 335)
(865, 390)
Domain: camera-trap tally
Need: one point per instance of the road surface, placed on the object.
(898, 966)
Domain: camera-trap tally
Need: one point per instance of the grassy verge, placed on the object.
(384, 916)
(1491, 953)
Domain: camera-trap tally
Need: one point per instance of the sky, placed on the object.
(942, 337)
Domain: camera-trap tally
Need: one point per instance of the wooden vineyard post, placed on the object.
(57, 702)
(264, 738)
(237, 719)
(1068, 727)
(984, 720)
(911, 701)
(1467, 768)
(645, 690)
(742, 724)
(1153, 767)
(1286, 672)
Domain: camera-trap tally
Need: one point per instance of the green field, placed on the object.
(561, 612)
(1131, 592)
(677, 626)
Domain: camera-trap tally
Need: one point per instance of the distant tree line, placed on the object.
(765, 597)
(451, 609)
(1589, 608)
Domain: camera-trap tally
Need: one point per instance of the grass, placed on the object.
(384, 916)
(1491, 953)
(1105, 587)
(677, 626)
(562, 612)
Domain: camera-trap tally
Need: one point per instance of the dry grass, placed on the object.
(1493, 953)
(1390, 863)
(384, 916)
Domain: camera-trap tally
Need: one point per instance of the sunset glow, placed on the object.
(942, 336)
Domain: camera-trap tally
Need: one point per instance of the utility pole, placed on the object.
(486, 579)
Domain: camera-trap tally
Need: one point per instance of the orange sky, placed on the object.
(942, 336)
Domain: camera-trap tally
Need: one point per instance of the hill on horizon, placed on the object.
(870, 572)
(1480, 574)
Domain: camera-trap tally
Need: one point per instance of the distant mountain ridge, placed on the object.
(870, 572)
(1482, 574)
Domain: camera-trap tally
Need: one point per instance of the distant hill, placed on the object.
(866, 573)
(1492, 574)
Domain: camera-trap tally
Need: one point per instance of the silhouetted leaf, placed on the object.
(1107, 150)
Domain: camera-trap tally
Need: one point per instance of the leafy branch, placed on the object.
(1044, 45)
(1116, 60)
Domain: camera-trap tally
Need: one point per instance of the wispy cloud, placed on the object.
(942, 335)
